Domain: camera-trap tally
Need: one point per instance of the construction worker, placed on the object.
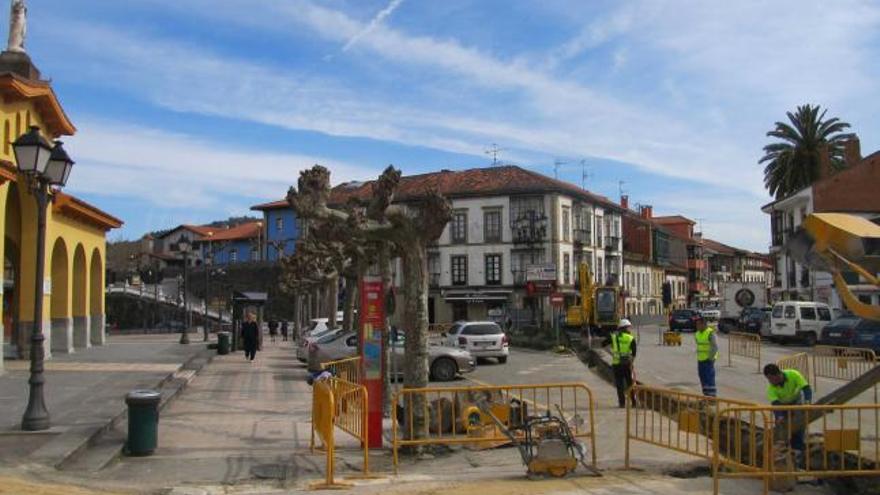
(623, 352)
(787, 388)
(707, 353)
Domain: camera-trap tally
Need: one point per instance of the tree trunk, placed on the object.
(385, 273)
(295, 317)
(348, 320)
(415, 324)
(332, 301)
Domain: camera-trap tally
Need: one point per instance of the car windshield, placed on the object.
(777, 311)
(482, 329)
(682, 313)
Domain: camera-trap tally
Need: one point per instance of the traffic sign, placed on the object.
(557, 299)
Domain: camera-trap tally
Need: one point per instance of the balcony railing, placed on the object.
(612, 243)
(583, 236)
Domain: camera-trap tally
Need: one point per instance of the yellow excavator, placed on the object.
(598, 311)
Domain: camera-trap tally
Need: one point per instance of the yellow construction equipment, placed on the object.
(599, 309)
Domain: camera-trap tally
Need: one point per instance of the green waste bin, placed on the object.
(223, 342)
(143, 421)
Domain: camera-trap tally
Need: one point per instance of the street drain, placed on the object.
(691, 472)
(271, 471)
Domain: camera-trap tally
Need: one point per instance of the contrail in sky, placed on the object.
(374, 23)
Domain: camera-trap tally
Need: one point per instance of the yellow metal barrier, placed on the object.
(342, 404)
(747, 345)
(841, 363)
(800, 362)
(438, 328)
(450, 415)
(674, 420)
(840, 440)
(668, 337)
(348, 369)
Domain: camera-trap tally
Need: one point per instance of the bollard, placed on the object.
(143, 422)
(223, 343)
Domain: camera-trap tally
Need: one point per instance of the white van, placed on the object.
(798, 320)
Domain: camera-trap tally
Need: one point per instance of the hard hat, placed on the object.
(624, 323)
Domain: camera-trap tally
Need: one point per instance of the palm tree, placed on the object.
(794, 163)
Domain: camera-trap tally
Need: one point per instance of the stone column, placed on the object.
(62, 335)
(97, 327)
(81, 332)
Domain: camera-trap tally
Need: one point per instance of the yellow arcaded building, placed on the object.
(73, 308)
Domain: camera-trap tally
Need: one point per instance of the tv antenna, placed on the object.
(700, 221)
(494, 151)
(584, 174)
(620, 189)
(556, 164)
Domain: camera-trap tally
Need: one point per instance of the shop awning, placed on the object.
(477, 296)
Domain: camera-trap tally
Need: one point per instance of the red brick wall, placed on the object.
(856, 189)
(636, 236)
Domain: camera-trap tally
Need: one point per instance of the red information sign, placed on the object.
(557, 299)
(372, 326)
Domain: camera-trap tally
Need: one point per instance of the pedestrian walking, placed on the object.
(788, 388)
(273, 330)
(250, 336)
(623, 353)
(284, 330)
(707, 353)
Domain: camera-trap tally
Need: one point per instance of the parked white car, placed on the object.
(302, 346)
(799, 320)
(483, 339)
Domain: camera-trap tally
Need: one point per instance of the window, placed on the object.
(459, 227)
(459, 270)
(566, 267)
(493, 269)
(523, 207)
(492, 226)
(824, 314)
(482, 329)
(279, 224)
(566, 224)
(789, 311)
(808, 313)
(233, 256)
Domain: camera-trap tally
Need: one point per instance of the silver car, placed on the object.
(444, 363)
(302, 346)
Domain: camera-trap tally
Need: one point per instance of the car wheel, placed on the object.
(444, 370)
(502, 360)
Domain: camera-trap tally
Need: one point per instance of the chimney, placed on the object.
(624, 201)
(647, 212)
(852, 151)
(825, 169)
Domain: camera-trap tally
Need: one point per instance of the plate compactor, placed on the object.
(546, 443)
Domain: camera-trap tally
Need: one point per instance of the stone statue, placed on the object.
(17, 26)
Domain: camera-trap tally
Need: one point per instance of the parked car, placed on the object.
(852, 331)
(444, 363)
(302, 347)
(754, 320)
(483, 339)
(683, 319)
(798, 320)
(711, 314)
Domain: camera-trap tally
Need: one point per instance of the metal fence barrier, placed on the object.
(747, 345)
(674, 420)
(338, 403)
(839, 440)
(348, 369)
(800, 362)
(668, 337)
(451, 416)
(841, 363)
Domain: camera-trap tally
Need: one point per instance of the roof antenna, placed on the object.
(494, 151)
(584, 174)
(556, 163)
(620, 184)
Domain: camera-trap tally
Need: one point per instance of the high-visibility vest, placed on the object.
(621, 346)
(704, 345)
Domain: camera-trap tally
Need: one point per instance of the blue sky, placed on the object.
(193, 110)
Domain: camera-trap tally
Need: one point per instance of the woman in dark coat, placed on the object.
(250, 334)
(284, 330)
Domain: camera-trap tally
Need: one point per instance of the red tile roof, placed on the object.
(248, 230)
(673, 219)
(490, 181)
(721, 248)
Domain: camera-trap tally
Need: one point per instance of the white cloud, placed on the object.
(373, 24)
(180, 171)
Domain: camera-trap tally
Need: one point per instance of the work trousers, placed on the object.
(623, 380)
(706, 370)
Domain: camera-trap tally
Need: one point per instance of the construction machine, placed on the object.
(598, 311)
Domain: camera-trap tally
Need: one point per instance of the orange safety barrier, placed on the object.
(342, 404)
(839, 440)
(841, 363)
(746, 345)
(800, 362)
(348, 369)
(674, 420)
(452, 415)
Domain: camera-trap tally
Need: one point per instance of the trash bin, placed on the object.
(223, 342)
(143, 421)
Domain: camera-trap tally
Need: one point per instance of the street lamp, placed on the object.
(43, 165)
(209, 260)
(184, 246)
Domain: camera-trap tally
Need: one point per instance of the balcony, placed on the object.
(583, 236)
(529, 228)
(612, 243)
(434, 280)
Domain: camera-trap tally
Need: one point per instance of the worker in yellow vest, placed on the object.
(707, 353)
(623, 352)
(789, 388)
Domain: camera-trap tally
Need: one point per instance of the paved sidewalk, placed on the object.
(85, 392)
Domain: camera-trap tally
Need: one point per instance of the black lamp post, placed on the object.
(209, 260)
(184, 246)
(43, 165)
